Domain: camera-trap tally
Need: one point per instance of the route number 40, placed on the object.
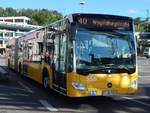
(83, 21)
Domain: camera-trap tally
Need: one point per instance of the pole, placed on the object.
(147, 14)
(82, 3)
(147, 18)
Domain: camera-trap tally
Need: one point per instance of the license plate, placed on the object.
(108, 93)
(93, 92)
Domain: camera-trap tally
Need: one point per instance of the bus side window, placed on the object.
(63, 52)
(70, 57)
(40, 48)
(48, 58)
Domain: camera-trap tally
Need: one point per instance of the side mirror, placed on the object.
(52, 28)
(30, 45)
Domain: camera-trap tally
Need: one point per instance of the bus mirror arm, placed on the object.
(52, 28)
(55, 29)
(42, 58)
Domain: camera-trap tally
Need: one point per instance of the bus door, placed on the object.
(59, 62)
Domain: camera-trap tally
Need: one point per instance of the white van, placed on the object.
(146, 52)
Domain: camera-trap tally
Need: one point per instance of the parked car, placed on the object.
(146, 52)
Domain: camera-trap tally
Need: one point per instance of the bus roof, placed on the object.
(71, 16)
(102, 21)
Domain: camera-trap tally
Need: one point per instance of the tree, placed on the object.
(38, 16)
(147, 27)
(138, 24)
(142, 25)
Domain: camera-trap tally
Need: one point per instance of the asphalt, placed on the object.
(4, 74)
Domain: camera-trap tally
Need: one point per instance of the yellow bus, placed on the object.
(81, 55)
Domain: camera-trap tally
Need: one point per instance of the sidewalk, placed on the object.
(3, 74)
(141, 57)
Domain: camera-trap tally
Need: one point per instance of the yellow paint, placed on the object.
(120, 84)
(35, 72)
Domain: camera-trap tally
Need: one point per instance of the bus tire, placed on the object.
(8, 64)
(19, 70)
(45, 79)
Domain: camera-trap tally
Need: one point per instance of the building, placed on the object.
(13, 27)
(20, 20)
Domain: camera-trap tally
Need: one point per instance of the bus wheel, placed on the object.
(19, 70)
(8, 63)
(45, 80)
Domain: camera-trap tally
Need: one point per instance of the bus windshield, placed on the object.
(97, 51)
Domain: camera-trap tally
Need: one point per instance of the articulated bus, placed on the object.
(80, 55)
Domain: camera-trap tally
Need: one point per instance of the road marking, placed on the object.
(145, 86)
(8, 87)
(141, 97)
(142, 71)
(137, 101)
(14, 94)
(15, 102)
(47, 105)
(144, 76)
(25, 87)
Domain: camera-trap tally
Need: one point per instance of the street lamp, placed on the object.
(82, 3)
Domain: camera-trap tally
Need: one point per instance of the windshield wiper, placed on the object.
(123, 69)
(109, 65)
(121, 32)
(106, 70)
(116, 67)
(89, 70)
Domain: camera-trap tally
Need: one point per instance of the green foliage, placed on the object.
(147, 27)
(137, 21)
(38, 16)
(141, 25)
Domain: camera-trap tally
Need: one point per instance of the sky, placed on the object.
(132, 8)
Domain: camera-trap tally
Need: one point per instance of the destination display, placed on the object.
(104, 23)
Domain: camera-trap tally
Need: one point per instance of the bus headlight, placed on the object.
(79, 86)
(133, 84)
